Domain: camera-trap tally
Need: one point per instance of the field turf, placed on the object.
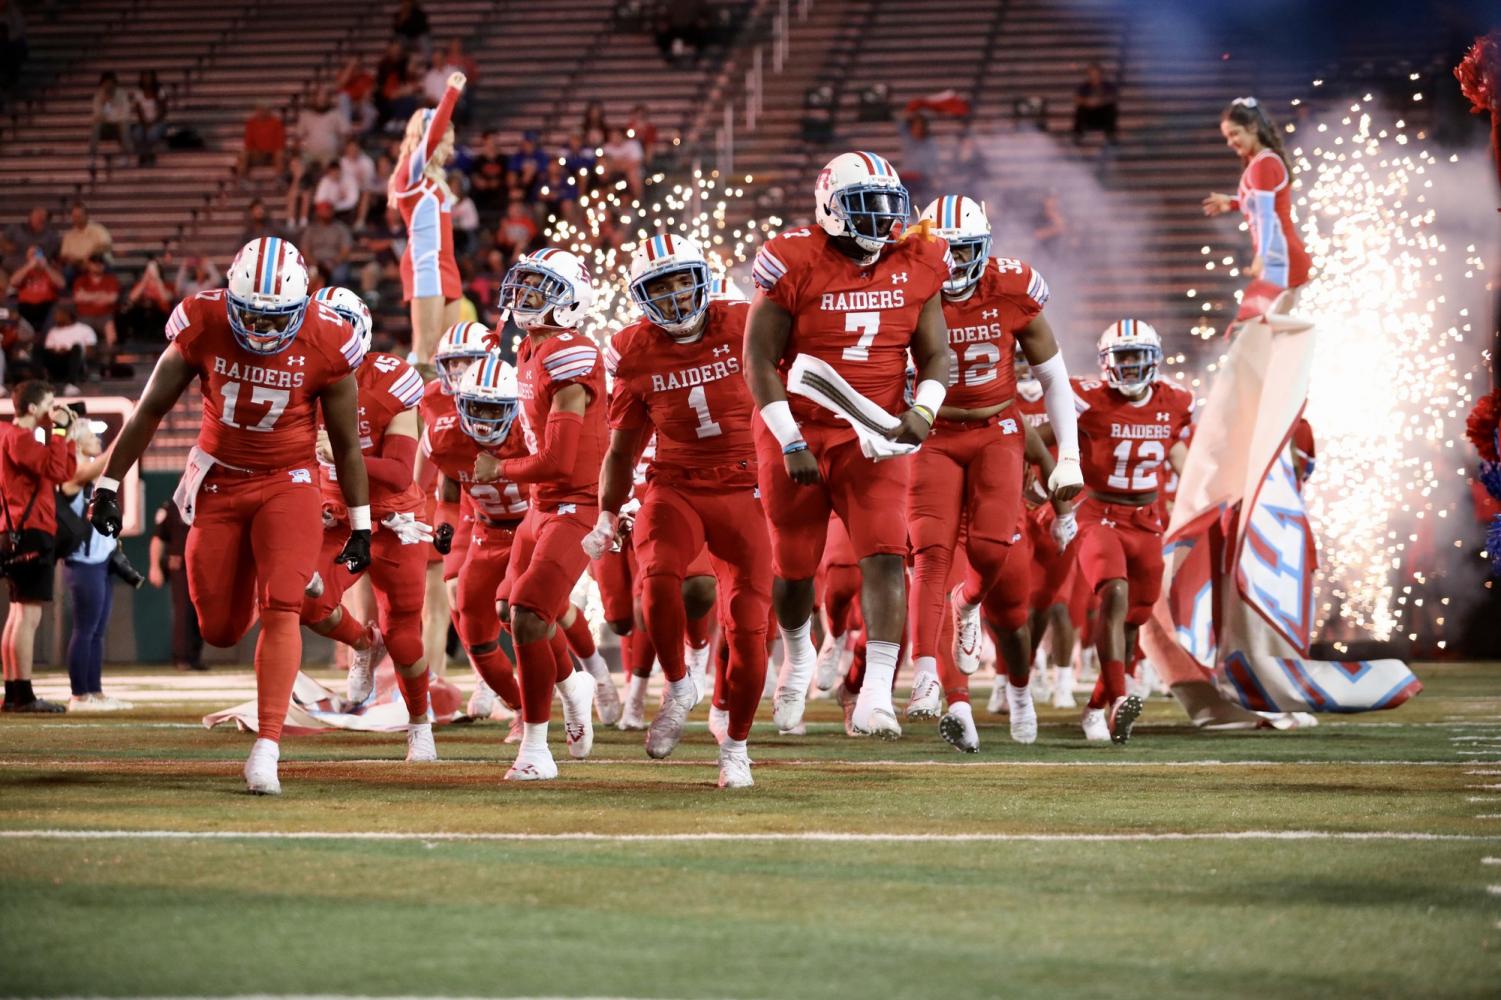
(1360, 858)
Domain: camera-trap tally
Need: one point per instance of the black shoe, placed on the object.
(35, 705)
(198, 667)
(121, 567)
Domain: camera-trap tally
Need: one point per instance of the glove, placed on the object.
(1064, 528)
(628, 512)
(408, 529)
(104, 512)
(599, 541)
(1066, 477)
(355, 555)
(443, 539)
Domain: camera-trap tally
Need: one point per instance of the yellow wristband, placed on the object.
(924, 411)
(60, 432)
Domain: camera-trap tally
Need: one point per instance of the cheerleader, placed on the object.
(1265, 199)
(429, 270)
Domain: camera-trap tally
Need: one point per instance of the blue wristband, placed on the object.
(795, 446)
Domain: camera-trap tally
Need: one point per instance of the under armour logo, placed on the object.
(1163, 416)
(721, 349)
(212, 487)
(1106, 522)
(989, 313)
(899, 278)
(302, 476)
(568, 508)
(296, 360)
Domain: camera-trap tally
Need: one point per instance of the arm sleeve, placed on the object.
(1058, 399)
(770, 275)
(555, 459)
(432, 136)
(392, 468)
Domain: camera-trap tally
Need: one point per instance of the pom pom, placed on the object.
(1478, 73)
(1490, 477)
(1481, 426)
(1493, 545)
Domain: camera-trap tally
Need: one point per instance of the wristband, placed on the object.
(778, 419)
(795, 447)
(106, 483)
(926, 413)
(929, 395)
(61, 432)
(359, 518)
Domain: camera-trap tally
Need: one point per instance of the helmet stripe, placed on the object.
(872, 163)
(263, 264)
(281, 251)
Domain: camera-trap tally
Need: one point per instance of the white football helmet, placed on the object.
(670, 282)
(549, 287)
(962, 222)
(348, 304)
(725, 290)
(267, 294)
(1130, 351)
(859, 195)
(458, 349)
(488, 400)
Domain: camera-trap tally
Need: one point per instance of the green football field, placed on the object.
(1360, 858)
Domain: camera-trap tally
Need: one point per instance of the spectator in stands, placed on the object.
(640, 124)
(390, 82)
(1096, 105)
(357, 167)
(560, 191)
(265, 142)
(355, 87)
(150, 102)
(488, 177)
(18, 340)
(169, 546)
(113, 113)
(681, 29)
(198, 274)
(36, 285)
(518, 229)
(339, 189)
(32, 465)
(594, 128)
(96, 297)
(83, 239)
(258, 223)
(147, 305)
(527, 164)
(321, 130)
(36, 230)
(13, 45)
(410, 24)
(327, 242)
(579, 161)
(68, 347)
(623, 159)
(466, 221)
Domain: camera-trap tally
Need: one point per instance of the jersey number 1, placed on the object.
(260, 394)
(707, 426)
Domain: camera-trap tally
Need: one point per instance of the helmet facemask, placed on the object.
(675, 299)
(264, 329)
(487, 421)
(970, 255)
(531, 291)
(451, 367)
(1130, 368)
(871, 213)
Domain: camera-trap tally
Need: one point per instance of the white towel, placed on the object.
(817, 380)
(186, 494)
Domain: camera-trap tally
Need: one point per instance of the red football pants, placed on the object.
(398, 575)
(1119, 542)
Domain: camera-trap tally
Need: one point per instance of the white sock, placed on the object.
(534, 736)
(733, 746)
(265, 746)
(961, 709)
(964, 605)
(413, 727)
(1015, 693)
(681, 690)
(880, 664)
(922, 665)
(597, 667)
(636, 689)
(798, 646)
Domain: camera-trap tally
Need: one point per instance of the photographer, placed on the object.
(37, 453)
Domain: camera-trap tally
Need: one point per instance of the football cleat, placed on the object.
(966, 633)
(667, 728)
(1063, 688)
(578, 713)
(719, 723)
(314, 588)
(697, 661)
(1123, 718)
(260, 768)
(361, 680)
(633, 712)
(847, 699)
(735, 768)
(926, 698)
(1096, 729)
(516, 731)
(1023, 713)
(958, 727)
(420, 745)
(790, 699)
(996, 705)
(830, 659)
(874, 713)
(481, 702)
(533, 765)
(607, 703)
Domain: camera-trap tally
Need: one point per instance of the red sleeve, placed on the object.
(1267, 174)
(556, 458)
(392, 469)
(55, 461)
(770, 271)
(439, 125)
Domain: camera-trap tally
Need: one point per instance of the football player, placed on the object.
(267, 360)
(969, 471)
(560, 382)
(850, 292)
(389, 391)
(678, 373)
(1131, 423)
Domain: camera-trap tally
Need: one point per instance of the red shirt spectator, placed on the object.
(96, 292)
(29, 467)
(264, 132)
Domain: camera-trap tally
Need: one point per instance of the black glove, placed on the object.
(104, 513)
(355, 555)
(443, 539)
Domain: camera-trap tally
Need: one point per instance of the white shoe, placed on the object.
(633, 714)
(735, 768)
(826, 674)
(533, 765)
(1096, 729)
(607, 703)
(966, 633)
(515, 733)
(1123, 716)
(926, 699)
(801, 729)
(1041, 684)
(1023, 713)
(790, 699)
(260, 768)
(578, 713)
(697, 661)
(667, 728)
(420, 745)
(997, 703)
(1063, 688)
(958, 727)
(86, 703)
(847, 699)
(719, 723)
(314, 588)
(874, 713)
(481, 702)
(362, 667)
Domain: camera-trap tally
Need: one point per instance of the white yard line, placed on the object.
(293, 761)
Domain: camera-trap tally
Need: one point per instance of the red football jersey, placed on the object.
(694, 396)
(1124, 443)
(260, 412)
(982, 332)
(858, 319)
(388, 386)
(447, 446)
(542, 370)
